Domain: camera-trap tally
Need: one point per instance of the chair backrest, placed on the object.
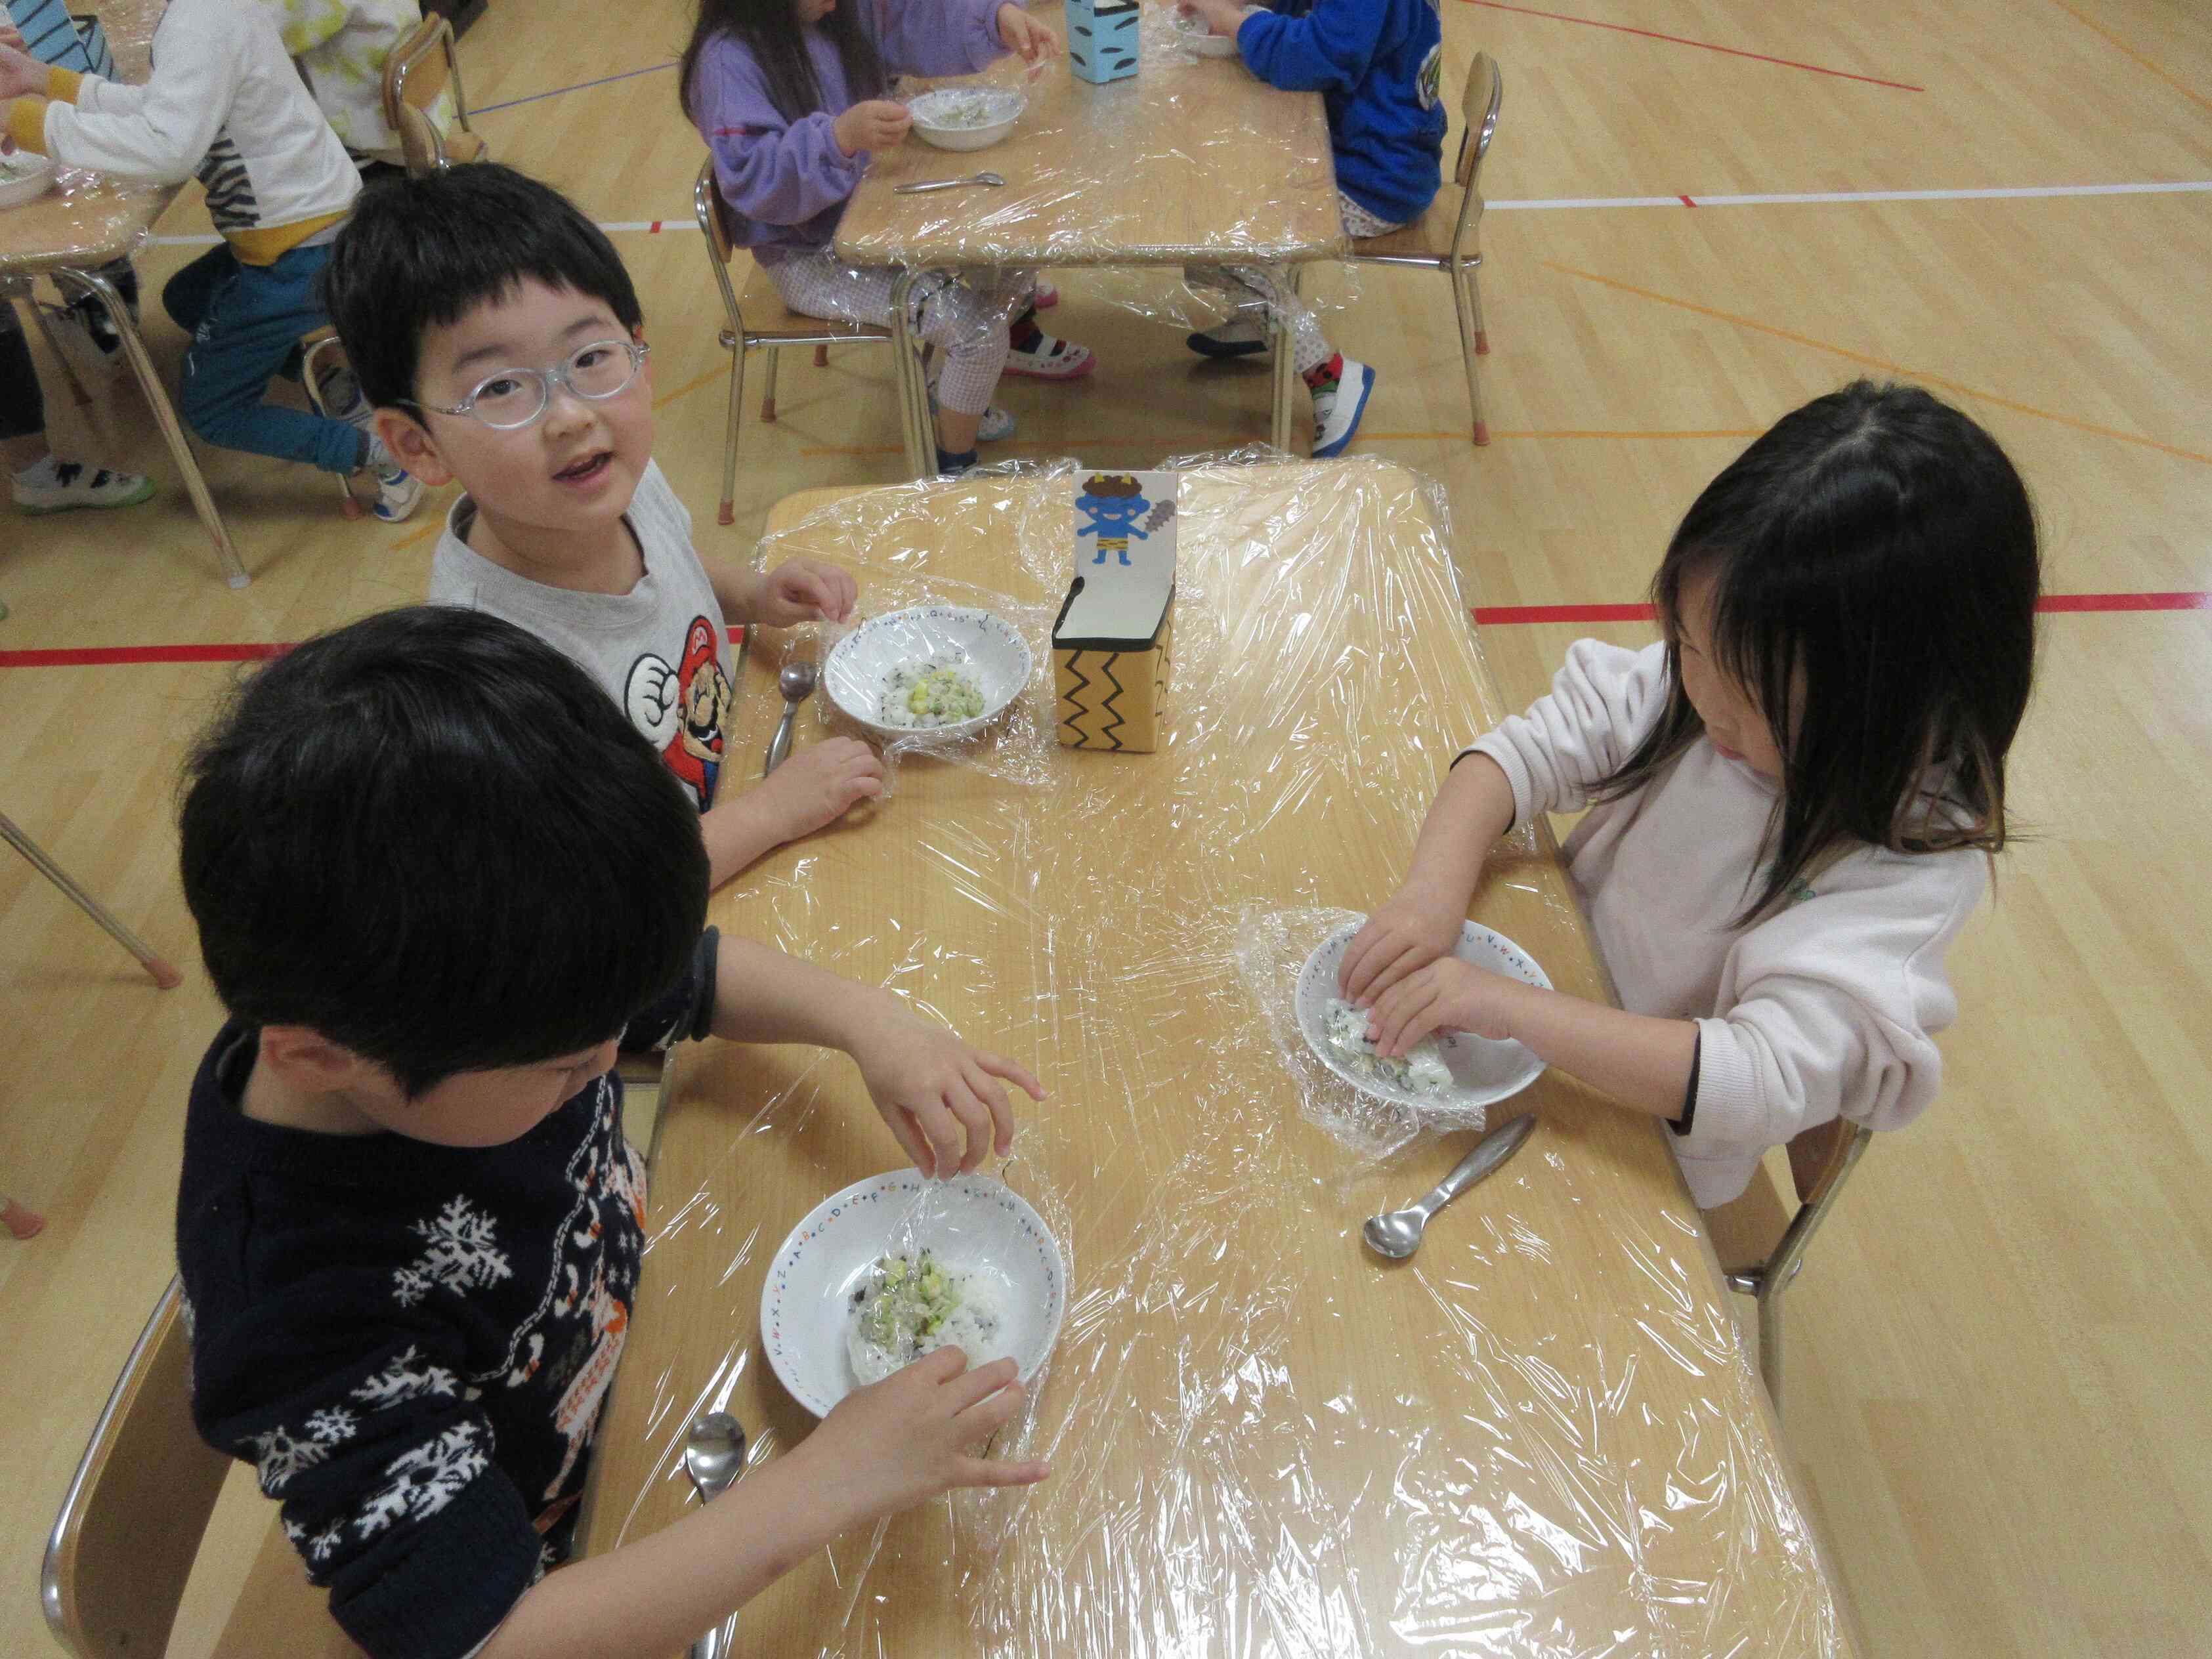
(1485, 91)
(124, 1543)
(418, 74)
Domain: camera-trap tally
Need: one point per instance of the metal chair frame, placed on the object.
(434, 33)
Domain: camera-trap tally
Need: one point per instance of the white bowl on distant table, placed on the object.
(966, 117)
(978, 1227)
(986, 648)
(24, 177)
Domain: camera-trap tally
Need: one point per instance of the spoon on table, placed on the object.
(989, 178)
(1397, 1233)
(796, 681)
(713, 1457)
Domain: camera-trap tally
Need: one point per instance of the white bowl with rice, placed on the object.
(842, 1306)
(966, 117)
(25, 176)
(935, 671)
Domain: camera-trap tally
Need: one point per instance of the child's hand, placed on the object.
(1447, 995)
(819, 785)
(941, 1097)
(876, 124)
(805, 590)
(1406, 935)
(1019, 31)
(907, 1438)
(21, 76)
(1224, 17)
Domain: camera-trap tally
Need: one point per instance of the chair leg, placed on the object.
(1770, 1345)
(1280, 340)
(728, 511)
(768, 397)
(350, 505)
(1475, 293)
(1463, 305)
(822, 356)
(163, 974)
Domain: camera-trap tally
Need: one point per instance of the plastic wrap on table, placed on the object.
(1539, 1437)
(1185, 161)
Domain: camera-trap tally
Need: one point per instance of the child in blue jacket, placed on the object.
(1377, 64)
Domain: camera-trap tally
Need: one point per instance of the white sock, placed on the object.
(378, 458)
(41, 474)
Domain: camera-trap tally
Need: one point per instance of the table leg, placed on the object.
(1279, 430)
(914, 394)
(165, 414)
(163, 974)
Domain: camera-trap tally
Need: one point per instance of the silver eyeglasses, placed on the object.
(516, 397)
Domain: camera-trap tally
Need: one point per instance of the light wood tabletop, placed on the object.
(1540, 1432)
(1190, 160)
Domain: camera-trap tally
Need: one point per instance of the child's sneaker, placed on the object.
(1240, 337)
(996, 424)
(1033, 352)
(1338, 405)
(340, 391)
(950, 466)
(57, 486)
(1044, 296)
(399, 492)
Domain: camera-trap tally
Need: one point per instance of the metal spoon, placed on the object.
(796, 682)
(713, 1457)
(1397, 1234)
(990, 179)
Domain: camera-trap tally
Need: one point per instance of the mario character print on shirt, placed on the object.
(682, 711)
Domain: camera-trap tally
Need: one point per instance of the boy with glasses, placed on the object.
(501, 343)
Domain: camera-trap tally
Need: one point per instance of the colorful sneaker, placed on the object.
(1240, 337)
(399, 492)
(1048, 358)
(996, 424)
(1337, 411)
(58, 486)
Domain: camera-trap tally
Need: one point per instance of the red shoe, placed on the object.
(20, 1222)
(1044, 296)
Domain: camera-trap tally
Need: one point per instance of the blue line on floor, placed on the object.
(650, 69)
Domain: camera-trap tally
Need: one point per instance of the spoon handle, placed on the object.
(779, 746)
(936, 183)
(1493, 1150)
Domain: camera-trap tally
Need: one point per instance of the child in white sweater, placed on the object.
(226, 102)
(1793, 798)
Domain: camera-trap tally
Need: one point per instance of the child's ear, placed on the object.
(310, 1061)
(409, 441)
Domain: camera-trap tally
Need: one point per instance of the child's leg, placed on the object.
(22, 405)
(39, 481)
(249, 324)
(1257, 287)
(186, 295)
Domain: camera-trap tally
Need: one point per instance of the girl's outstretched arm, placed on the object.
(1420, 921)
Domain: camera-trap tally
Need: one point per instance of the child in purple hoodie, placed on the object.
(788, 95)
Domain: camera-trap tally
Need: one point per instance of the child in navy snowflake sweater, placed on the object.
(437, 878)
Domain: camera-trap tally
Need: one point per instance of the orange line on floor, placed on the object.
(1881, 363)
(2118, 44)
(690, 386)
(421, 532)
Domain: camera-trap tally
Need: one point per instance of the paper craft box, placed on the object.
(1101, 39)
(1109, 645)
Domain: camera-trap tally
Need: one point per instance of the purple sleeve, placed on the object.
(771, 170)
(935, 37)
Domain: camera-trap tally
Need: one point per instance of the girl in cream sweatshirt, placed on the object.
(1792, 798)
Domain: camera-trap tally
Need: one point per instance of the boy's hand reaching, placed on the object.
(1405, 936)
(1224, 17)
(875, 124)
(1020, 32)
(909, 1437)
(21, 76)
(805, 590)
(817, 786)
(942, 1099)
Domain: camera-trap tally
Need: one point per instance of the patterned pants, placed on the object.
(1269, 286)
(968, 323)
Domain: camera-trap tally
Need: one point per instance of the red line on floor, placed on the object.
(1687, 202)
(117, 656)
(1704, 45)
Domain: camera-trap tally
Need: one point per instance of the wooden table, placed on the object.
(89, 219)
(1191, 161)
(1540, 1435)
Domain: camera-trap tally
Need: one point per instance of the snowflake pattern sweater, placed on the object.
(411, 1342)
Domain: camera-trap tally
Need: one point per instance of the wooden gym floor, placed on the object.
(1997, 1396)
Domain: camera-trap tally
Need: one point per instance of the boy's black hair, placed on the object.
(422, 254)
(431, 837)
(1875, 575)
